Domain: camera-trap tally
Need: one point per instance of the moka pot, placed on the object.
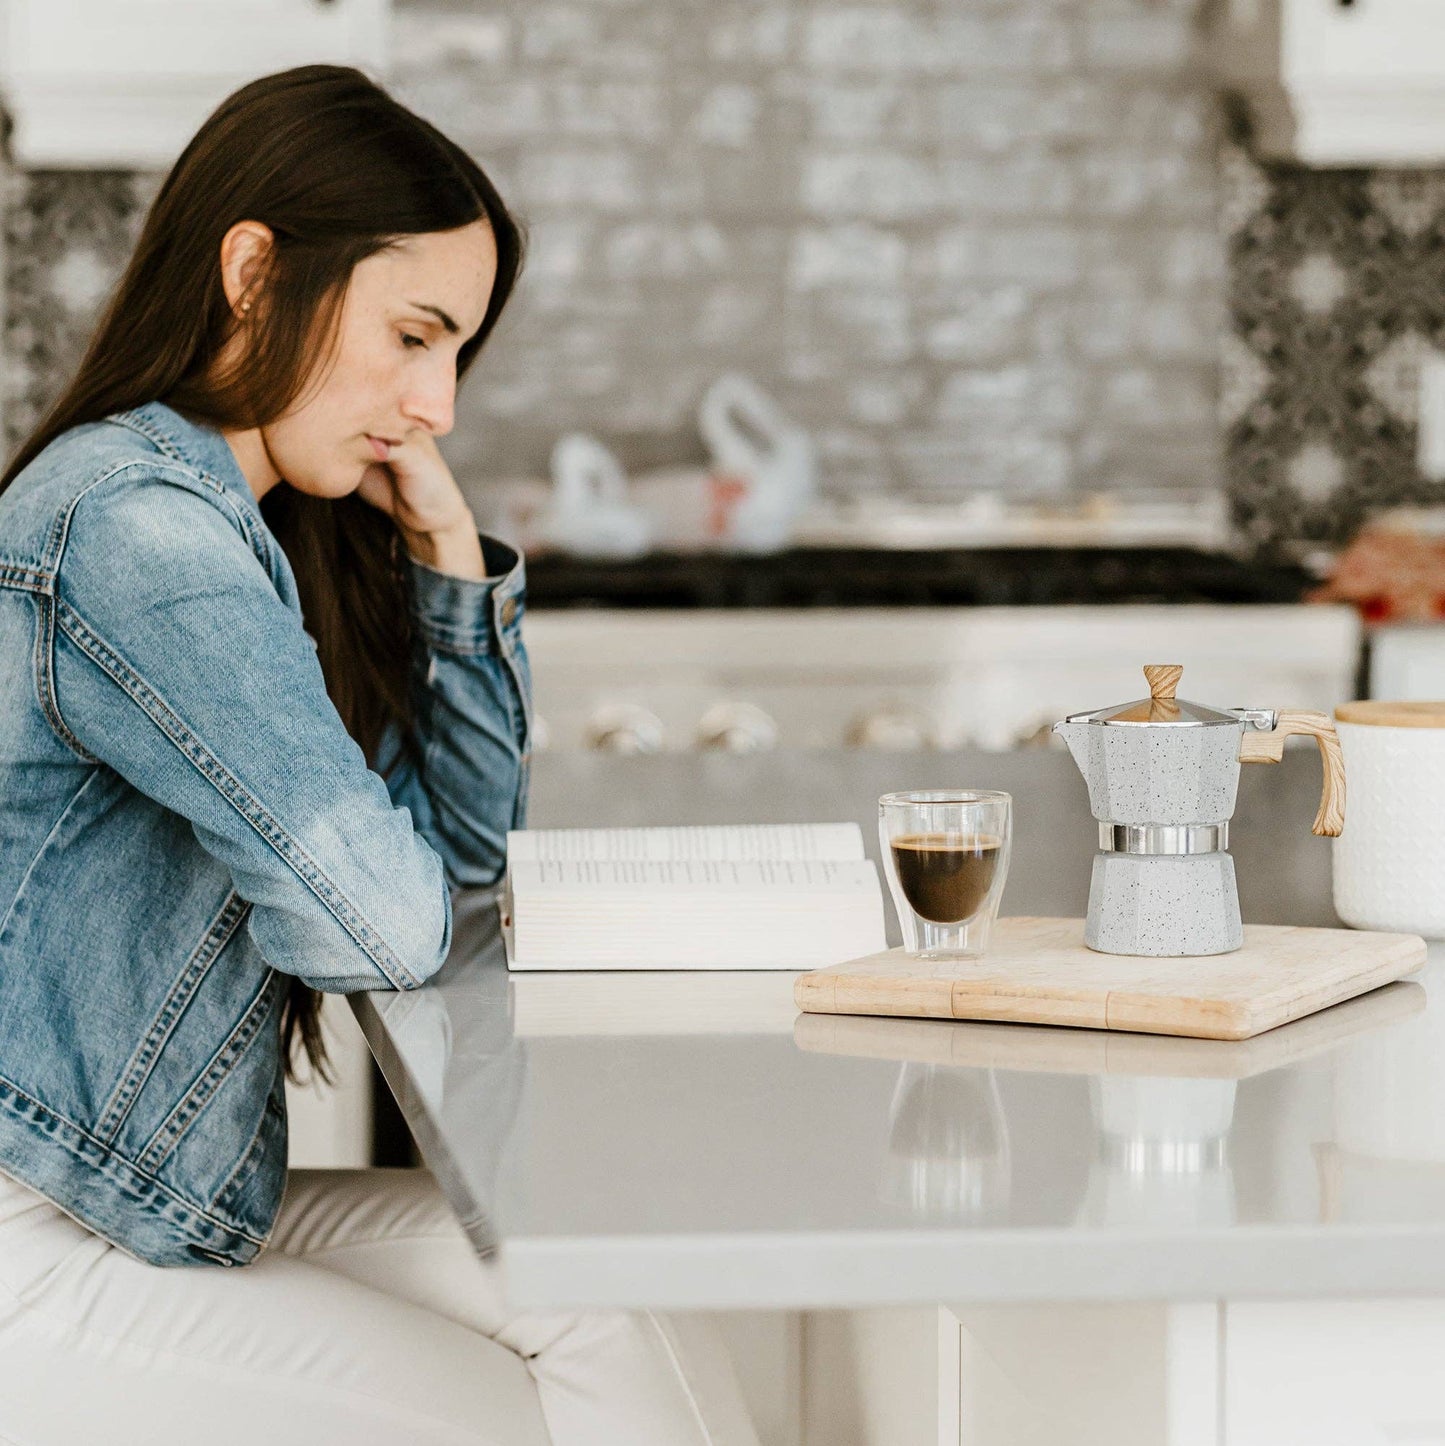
(1162, 775)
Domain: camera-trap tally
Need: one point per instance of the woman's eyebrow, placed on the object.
(437, 312)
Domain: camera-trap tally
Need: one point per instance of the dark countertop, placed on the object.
(861, 577)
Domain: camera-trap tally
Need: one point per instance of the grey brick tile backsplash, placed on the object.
(977, 245)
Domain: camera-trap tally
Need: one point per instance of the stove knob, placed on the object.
(624, 728)
(894, 727)
(736, 728)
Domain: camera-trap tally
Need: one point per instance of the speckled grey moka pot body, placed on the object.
(1163, 774)
(1171, 904)
(1177, 905)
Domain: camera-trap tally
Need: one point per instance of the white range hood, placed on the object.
(1340, 82)
(123, 84)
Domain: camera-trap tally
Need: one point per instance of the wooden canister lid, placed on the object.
(1381, 713)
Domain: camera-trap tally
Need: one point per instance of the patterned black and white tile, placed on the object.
(1337, 292)
(67, 237)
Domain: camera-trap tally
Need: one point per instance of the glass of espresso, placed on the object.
(946, 856)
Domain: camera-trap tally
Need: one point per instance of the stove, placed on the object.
(630, 680)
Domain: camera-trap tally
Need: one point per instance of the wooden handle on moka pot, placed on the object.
(1267, 746)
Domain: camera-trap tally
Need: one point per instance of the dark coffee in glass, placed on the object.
(946, 877)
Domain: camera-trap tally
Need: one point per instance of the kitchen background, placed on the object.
(1019, 246)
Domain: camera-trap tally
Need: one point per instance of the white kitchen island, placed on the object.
(969, 1233)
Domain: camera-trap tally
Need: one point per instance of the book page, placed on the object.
(720, 842)
(529, 876)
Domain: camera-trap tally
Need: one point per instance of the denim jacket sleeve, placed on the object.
(471, 694)
(179, 664)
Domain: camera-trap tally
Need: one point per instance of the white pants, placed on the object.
(368, 1321)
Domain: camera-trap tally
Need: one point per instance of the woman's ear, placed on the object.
(245, 249)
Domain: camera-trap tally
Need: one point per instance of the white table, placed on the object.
(962, 1232)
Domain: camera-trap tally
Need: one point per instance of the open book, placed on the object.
(754, 896)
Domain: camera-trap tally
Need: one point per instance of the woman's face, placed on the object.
(407, 312)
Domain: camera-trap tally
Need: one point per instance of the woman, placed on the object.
(236, 577)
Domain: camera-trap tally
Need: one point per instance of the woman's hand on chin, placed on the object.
(416, 489)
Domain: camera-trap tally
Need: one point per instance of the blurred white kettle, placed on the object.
(773, 458)
(589, 512)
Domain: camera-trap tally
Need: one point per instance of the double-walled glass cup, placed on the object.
(946, 855)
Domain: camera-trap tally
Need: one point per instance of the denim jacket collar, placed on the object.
(198, 444)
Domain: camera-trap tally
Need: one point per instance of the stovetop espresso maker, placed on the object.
(1162, 775)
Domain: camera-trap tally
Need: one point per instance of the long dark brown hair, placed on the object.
(337, 169)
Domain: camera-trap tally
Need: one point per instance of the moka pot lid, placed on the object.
(1161, 708)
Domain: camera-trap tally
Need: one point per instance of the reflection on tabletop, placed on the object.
(1161, 1107)
(449, 1045)
(948, 1145)
(944, 1124)
(1387, 1158)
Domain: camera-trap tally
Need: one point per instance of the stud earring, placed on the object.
(245, 306)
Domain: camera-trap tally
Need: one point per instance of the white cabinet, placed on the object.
(329, 1126)
(1241, 1373)
(125, 83)
(1071, 1374)
(1345, 1373)
(1340, 82)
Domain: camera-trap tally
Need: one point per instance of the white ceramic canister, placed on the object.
(1389, 863)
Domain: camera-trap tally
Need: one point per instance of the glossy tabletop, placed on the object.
(693, 1141)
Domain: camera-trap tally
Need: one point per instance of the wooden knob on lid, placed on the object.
(1163, 680)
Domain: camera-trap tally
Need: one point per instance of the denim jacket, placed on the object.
(185, 822)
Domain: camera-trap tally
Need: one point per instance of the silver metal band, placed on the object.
(1163, 1157)
(1163, 838)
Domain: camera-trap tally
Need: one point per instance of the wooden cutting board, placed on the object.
(1039, 971)
(1037, 1049)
